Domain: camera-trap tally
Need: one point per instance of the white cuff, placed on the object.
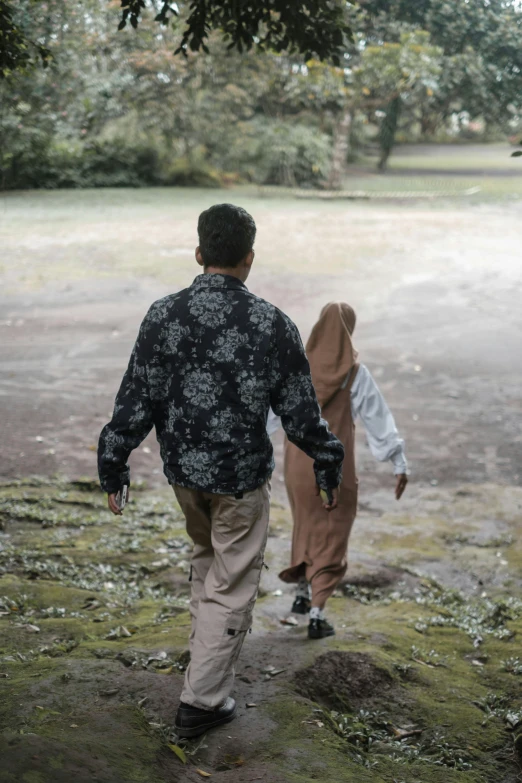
(400, 466)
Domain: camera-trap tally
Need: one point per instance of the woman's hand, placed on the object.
(326, 504)
(402, 480)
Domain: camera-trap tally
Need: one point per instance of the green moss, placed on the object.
(79, 580)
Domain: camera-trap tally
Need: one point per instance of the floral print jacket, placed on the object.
(208, 364)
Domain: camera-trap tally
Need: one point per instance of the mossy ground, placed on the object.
(94, 625)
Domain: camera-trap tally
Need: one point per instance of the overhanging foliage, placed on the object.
(311, 27)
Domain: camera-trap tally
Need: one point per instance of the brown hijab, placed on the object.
(330, 350)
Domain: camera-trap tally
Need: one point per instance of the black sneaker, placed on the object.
(319, 629)
(191, 721)
(301, 605)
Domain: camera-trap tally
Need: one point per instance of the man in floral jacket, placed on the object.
(208, 364)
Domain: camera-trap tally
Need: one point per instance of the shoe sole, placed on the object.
(320, 635)
(196, 731)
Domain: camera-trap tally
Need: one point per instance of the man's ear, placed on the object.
(199, 257)
(249, 260)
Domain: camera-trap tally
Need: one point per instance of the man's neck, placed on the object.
(232, 271)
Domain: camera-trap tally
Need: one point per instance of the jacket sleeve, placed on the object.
(292, 397)
(368, 403)
(131, 420)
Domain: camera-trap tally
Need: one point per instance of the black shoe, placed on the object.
(319, 629)
(191, 721)
(301, 605)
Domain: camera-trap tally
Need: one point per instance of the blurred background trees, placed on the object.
(121, 108)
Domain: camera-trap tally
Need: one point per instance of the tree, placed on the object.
(482, 55)
(308, 26)
(17, 48)
(377, 76)
(391, 75)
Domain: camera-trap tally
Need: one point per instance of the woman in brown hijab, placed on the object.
(344, 389)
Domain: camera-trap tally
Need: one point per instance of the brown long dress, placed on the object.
(320, 538)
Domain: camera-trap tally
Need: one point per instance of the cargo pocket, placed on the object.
(237, 625)
(238, 622)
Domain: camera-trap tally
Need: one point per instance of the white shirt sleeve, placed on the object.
(273, 423)
(383, 438)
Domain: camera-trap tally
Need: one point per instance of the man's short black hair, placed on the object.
(226, 235)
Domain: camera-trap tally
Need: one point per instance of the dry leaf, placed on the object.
(289, 621)
(251, 705)
(74, 725)
(168, 670)
(234, 761)
(203, 773)
(159, 656)
(180, 753)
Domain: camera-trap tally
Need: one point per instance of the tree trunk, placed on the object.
(388, 130)
(341, 137)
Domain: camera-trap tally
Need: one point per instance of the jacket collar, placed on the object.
(218, 281)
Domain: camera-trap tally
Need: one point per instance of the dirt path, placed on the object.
(437, 293)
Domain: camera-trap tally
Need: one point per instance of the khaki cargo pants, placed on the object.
(229, 536)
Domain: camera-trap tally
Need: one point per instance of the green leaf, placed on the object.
(516, 154)
(180, 753)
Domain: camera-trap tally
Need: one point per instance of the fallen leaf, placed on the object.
(168, 670)
(401, 734)
(91, 603)
(251, 705)
(513, 719)
(38, 707)
(203, 773)
(180, 753)
(121, 632)
(74, 725)
(234, 761)
(159, 656)
(110, 692)
(289, 621)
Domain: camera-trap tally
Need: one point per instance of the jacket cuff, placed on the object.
(328, 478)
(112, 484)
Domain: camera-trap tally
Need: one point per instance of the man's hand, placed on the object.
(402, 480)
(335, 497)
(113, 503)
